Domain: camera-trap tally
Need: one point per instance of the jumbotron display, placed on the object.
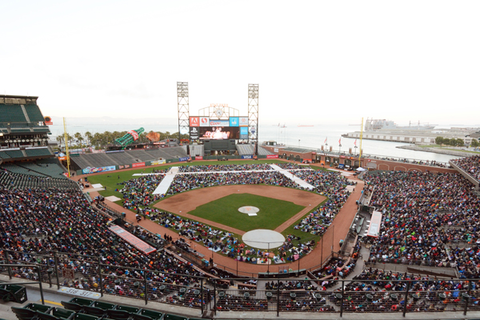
(205, 128)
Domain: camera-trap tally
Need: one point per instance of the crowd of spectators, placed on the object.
(332, 185)
(471, 165)
(37, 223)
(428, 218)
(138, 193)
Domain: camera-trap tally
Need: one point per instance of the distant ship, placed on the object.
(383, 124)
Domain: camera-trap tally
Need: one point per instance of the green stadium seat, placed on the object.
(63, 313)
(46, 316)
(12, 292)
(94, 311)
(174, 317)
(24, 314)
(103, 305)
(83, 316)
(38, 307)
(118, 314)
(155, 315)
(82, 301)
(129, 309)
(72, 306)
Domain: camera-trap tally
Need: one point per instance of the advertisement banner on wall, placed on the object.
(183, 159)
(194, 122)
(97, 170)
(204, 122)
(194, 133)
(272, 156)
(139, 164)
(155, 162)
(219, 123)
(247, 157)
(127, 166)
(198, 158)
(243, 121)
(233, 121)
(243, 132)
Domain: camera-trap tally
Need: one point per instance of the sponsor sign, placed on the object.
(134, 134)
(272, 156)
(243, 121)
(97, 170)
(139, 164)
(130, 238)
(247, 157)
(243, 132)
(125, 166)
(194, 121)
(198, 158)
(183, 159)
(194, 133)
(80, 293)
(158, 162)
(204, 121)
(219, 123)
(233, 121)
(62, 158)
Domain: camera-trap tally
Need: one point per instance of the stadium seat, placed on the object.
(118, 314)
(155, 315)
(94, 311)
(24, 314)
(38, 307)
(82, 301)
(174, 317)
(46, 316)
(61, 313)
(103, 305)
(127, 309)
(139, 317)
(83, 316)
(72, 306)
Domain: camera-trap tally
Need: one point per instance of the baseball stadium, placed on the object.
(222, 226)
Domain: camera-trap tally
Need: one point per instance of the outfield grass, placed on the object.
(272, 212)
(111, 179)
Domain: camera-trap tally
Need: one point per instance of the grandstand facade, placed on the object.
(23, 132)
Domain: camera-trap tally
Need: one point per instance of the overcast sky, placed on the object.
(316, 62)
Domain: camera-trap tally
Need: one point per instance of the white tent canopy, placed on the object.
(361, 169)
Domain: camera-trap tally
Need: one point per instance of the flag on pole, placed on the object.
(340, 141)
(355, 143)
(325, 141)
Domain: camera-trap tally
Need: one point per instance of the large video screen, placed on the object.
(219, 133)
(204, 128)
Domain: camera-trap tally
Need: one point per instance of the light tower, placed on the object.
(253, 114)
(183, 108)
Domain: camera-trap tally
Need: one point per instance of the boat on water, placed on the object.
(384, 124)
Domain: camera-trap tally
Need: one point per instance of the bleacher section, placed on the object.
(11, 180)
(11, 154)
(96, 160)
(35, 152)
(41, 168)
(245, 149)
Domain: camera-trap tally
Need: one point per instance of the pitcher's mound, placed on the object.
(251, 211)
